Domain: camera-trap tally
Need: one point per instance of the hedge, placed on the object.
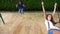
(29, 4)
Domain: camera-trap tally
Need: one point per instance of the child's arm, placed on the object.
(23, 5)
(54, 9)
(44, 10)
(16, 5)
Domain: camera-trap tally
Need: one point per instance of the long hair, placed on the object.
(51, 19)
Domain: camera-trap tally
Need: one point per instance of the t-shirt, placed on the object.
(20, 6)
(50, 25)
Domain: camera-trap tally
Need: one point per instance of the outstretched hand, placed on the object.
(16, 5)
(42, 3)
(55, 5)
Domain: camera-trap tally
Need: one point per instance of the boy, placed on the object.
(20, 6)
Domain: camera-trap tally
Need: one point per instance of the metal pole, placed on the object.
(2, 18)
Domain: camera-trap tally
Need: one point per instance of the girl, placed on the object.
(49, 22)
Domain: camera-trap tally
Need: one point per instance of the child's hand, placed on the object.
(16, 5)
(55, 4)
(42, 3)
(23, 5)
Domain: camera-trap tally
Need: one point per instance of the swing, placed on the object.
(2, 18)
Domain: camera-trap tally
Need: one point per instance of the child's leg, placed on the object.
(19, 10)
(22, 11)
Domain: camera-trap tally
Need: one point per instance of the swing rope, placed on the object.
(2, 18)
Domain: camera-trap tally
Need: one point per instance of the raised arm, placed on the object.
(43, 10)
(54, 9)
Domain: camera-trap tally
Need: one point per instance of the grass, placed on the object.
(28, 23)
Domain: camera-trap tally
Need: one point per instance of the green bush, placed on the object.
(8, 4)
(29, 4)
